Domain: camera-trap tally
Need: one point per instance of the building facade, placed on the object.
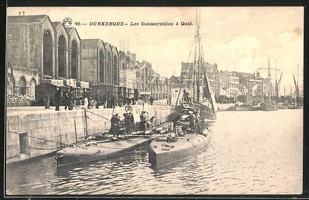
(191, 76)
(39, 51)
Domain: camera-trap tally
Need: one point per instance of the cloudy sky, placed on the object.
(236, 38)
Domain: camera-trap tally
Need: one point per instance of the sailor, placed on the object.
(115, 124)
(175, 120)
(147, 120)
(131, 119)
(192, 119)
(127, 123)
(143, 120)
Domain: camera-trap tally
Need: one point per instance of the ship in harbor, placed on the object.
(105, 145)
(191, 117)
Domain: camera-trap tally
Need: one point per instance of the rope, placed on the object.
(92, 120)
(98, 115)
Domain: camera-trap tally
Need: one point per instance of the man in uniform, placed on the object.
(58, 99)
(143, 120)
(192, 119)
(115, 123)
(127, 123)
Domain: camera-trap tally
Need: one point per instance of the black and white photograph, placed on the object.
(154, 101)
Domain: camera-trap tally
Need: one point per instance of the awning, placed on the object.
(83, 84)
(70, 82)
(145, 93)
(58, 83)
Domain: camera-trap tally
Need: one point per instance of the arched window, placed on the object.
(74, 60)
(47, 53)
(109, 69)
(61, 56)
(22, 86)
(101, 63)
(115, 71)
(32, 87)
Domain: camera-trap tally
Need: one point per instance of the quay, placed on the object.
(32, 132)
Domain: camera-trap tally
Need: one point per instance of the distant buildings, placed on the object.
(39, 50)
(224, 84)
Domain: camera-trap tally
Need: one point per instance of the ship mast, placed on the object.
(197, 54)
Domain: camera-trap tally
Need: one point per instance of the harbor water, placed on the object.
(252, 152)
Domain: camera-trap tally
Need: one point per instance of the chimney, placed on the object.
(258, 74)
(23, 12)
(19, 13)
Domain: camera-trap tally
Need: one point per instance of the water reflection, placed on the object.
(248, 154)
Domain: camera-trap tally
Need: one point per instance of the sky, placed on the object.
(235, 38)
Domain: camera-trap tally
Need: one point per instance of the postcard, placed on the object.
(154, 101)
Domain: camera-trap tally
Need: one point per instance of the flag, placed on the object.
(207, 93)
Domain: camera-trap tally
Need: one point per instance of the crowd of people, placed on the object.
(107, 100)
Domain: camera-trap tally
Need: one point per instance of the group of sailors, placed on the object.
(127, 124)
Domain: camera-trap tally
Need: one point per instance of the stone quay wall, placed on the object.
(35, 133)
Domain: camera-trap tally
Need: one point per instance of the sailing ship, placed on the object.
(190, 133)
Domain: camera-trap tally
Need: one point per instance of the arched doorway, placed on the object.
(109, 69)
(115, 71)
(32, 87)
(101, 63)
(22, 86)
(74, 60)
(47, 53)
(61, 56)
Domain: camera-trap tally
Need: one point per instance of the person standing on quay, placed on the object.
(120, 101)
(58, 99)
(104, 100)
(97, 99)
(113, 101)
(109, 99)
(66, 100)
(151, 100)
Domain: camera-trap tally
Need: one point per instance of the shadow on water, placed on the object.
(243, 157)
(130, 156)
